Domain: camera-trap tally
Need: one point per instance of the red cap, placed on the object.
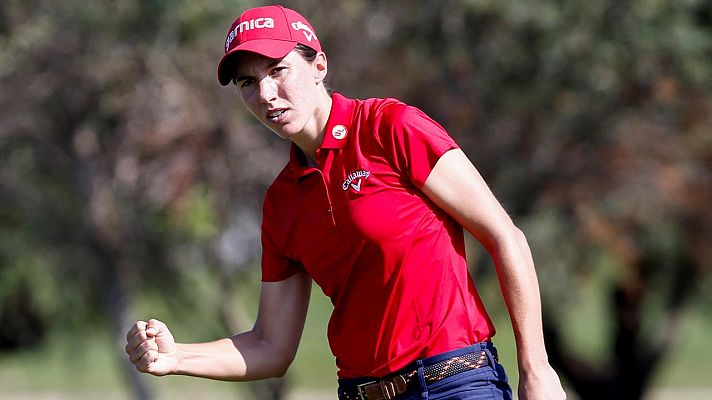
(272, 31)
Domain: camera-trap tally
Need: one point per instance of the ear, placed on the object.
(320, 67)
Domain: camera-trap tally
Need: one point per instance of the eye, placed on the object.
(277, 70)
(243, 82)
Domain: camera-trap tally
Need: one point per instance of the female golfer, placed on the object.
(371, 206)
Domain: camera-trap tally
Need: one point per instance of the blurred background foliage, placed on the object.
(131, 182)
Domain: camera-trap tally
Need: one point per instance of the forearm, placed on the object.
(456, 187)
(520, 288)
(265, 351)
(243, 357)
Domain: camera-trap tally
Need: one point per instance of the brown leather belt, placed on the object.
(390, 387)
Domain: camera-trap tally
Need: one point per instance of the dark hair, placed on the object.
(309, 54)
(306, 52)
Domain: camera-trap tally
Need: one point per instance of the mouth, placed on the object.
(276, 116)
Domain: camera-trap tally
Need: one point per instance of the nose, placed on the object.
(268, 90)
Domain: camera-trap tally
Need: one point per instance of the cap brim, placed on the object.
(270, 48)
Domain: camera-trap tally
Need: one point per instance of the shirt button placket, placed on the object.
(327, 198)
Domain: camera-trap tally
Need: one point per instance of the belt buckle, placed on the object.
(387, 387)
(361, 392)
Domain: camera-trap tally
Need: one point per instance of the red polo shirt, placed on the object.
(392, 262)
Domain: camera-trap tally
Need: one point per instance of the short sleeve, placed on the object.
(413, 141)
(275, 266)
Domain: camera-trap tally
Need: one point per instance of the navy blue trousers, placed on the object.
(485, 383)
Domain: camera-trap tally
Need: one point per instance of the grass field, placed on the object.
(87, 367)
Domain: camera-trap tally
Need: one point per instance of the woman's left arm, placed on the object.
(457, 187)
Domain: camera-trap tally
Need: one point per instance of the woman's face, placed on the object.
(282, 94)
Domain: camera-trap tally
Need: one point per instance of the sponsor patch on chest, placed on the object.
(354, 180)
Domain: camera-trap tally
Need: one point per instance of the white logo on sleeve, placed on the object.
(354, 180)
(308, 33)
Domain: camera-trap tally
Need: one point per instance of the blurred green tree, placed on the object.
(127, 170)
(122, 172)
(592, 122)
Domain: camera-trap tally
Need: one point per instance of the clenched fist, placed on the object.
(151, 348)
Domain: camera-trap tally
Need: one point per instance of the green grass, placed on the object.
(314, 365)
(78, 363)
(688, 364)
(90, 363)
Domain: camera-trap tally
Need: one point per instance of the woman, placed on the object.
(371, 206)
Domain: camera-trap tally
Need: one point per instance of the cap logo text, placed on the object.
(257, 23)
(308, 33)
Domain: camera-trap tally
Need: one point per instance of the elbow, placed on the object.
(271, 366)
(281, 367)
(282, 359)
(507, 239)
(274, 355)
(518, 235)
(518, 239)
(280, 372)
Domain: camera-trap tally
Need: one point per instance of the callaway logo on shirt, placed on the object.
(354, 180)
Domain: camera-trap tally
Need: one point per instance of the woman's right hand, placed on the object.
(151, 348)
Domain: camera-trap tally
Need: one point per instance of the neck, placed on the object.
(313, 135)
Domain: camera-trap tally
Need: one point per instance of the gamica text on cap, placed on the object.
(271, 31)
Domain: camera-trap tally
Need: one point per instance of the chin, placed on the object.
(286, 132)
(277, 130)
